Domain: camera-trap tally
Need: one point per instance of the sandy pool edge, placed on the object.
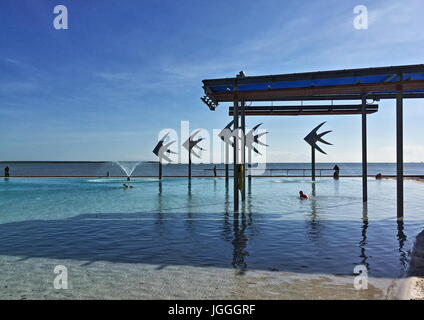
(412, 287)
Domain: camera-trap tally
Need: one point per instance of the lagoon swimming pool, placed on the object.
(172, 230)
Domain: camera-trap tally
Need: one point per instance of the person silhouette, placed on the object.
(336, 173)
(6, 172)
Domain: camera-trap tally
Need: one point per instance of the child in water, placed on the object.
(302, 195)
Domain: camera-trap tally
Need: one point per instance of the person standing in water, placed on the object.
(336, 173)
(6, 172)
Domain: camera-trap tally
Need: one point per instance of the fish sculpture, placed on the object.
(313, 137)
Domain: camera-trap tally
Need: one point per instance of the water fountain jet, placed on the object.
(128, 167)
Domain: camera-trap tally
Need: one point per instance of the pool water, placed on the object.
(95, 223)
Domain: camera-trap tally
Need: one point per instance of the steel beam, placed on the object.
(306, 110)
(313, 163)
(243, 149)
(399, 152)
(189, 164)
(227, 160)
(304, 76)
(359, 89)
(235, 159)
(364, 151)
(160, 169)
(340, 97)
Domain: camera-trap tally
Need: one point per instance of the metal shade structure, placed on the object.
(305, 110)
(395, 82)
(348, 84)
(312, 139)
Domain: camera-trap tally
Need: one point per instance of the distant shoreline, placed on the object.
(67, 162)
(417, 178)
(155, 161)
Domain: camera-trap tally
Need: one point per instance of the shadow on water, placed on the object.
(219, 242)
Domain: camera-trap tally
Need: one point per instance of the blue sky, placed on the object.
(124, 70)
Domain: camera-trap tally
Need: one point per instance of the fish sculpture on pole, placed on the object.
(225, 136)
(161, 150)
(251, 138)
(191, 144)
(312, 138)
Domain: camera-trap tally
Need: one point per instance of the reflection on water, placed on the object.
(239, 243)
(313, 222)
(363, 242)
(402, 239)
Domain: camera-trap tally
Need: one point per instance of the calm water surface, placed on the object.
(176, 223)
(101, 169)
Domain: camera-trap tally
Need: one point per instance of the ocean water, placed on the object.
(173, 230)
(150, 169)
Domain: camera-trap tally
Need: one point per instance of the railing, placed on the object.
(283, 171)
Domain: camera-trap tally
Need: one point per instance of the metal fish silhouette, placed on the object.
(190, 144)
(313, 137)
(162, 148)
(225, 134)
(251, 139)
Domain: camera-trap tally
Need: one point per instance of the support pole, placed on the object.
(189, 164)
(399, 150)
(249, 161)
(313, 163)
(160, 169)
(243, 150)
(227, 160)
(364, 151)
(235, 159)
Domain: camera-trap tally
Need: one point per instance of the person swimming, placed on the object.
(127, 186)
(302, 195)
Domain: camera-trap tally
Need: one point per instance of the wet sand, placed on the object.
(414, 285)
